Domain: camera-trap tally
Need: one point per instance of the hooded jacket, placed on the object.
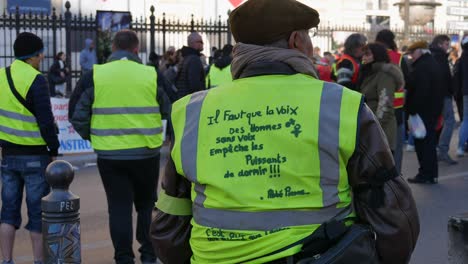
(380, 81)
(88, 56)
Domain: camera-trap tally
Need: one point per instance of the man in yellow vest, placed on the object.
(28, 140)
(220, 71)
(119, 107)
(264, 167)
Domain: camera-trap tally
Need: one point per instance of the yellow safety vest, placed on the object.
(17, 124)
(125, 111)
(217, 76)
(267, 168)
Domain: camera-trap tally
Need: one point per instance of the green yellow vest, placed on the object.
(125, 111)
(267, 168)
(217, 76)
(17, 124)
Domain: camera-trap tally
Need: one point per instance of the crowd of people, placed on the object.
(423, 79)
(278, 153)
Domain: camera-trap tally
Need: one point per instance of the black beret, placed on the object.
(27, 45)
(266, 21)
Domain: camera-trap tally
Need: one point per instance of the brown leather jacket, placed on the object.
(371, 174)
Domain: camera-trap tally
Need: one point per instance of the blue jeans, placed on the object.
(19, 172)
(463, 133)
(410, 139)
(449, 124)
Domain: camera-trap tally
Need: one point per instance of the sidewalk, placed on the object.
(80, 160)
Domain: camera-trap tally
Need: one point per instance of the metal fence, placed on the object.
(68, 32)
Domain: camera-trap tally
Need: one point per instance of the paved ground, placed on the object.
(435, 203)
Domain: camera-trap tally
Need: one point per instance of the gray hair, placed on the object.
(353, 42)
(192, 38)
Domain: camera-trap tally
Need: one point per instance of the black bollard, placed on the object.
(60, 217)
(458, 239)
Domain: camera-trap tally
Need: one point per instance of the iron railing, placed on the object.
(68, 32)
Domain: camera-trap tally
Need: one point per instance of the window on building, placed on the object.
(383, 21)
(377, 4)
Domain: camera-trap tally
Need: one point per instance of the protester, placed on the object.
(347, 67)
(439, 50)
(324, 69)
(317, 54)
(329, 57)
(424, 98)
(168, 59)
(58, 75)
(463, 68)
(28, 139)
(191, 77)
(154, 60)
(324, 145)
(380, 79)
(119, 107)
(212, 55)
(220, 72)
(88, 56)
(172, 71)
(387, 38)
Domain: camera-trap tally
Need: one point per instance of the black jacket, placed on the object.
(462, 69)
(441, 58)
(54, 77)
(37, 99)
(425, 88)
(191, 77)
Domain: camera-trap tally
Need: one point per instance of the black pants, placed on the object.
(426, 150)
(127, 182)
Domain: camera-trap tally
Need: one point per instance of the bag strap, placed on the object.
(15, 92)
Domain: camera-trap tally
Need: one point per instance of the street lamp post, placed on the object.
(407, 16)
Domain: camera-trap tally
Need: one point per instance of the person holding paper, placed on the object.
(425, 99)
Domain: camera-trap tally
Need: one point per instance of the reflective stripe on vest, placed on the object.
(268, 172)
(125, 111)
(217, 76)
(396, 58)
(18, 125)
(399, 100)
(355, 76)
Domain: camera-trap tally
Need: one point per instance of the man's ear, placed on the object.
(292, 42)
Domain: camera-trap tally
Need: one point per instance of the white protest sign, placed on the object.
(70, 141)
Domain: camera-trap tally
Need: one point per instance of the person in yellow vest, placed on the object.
(269, 167)
(119, 107)
(220, 71)
(28, 141)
